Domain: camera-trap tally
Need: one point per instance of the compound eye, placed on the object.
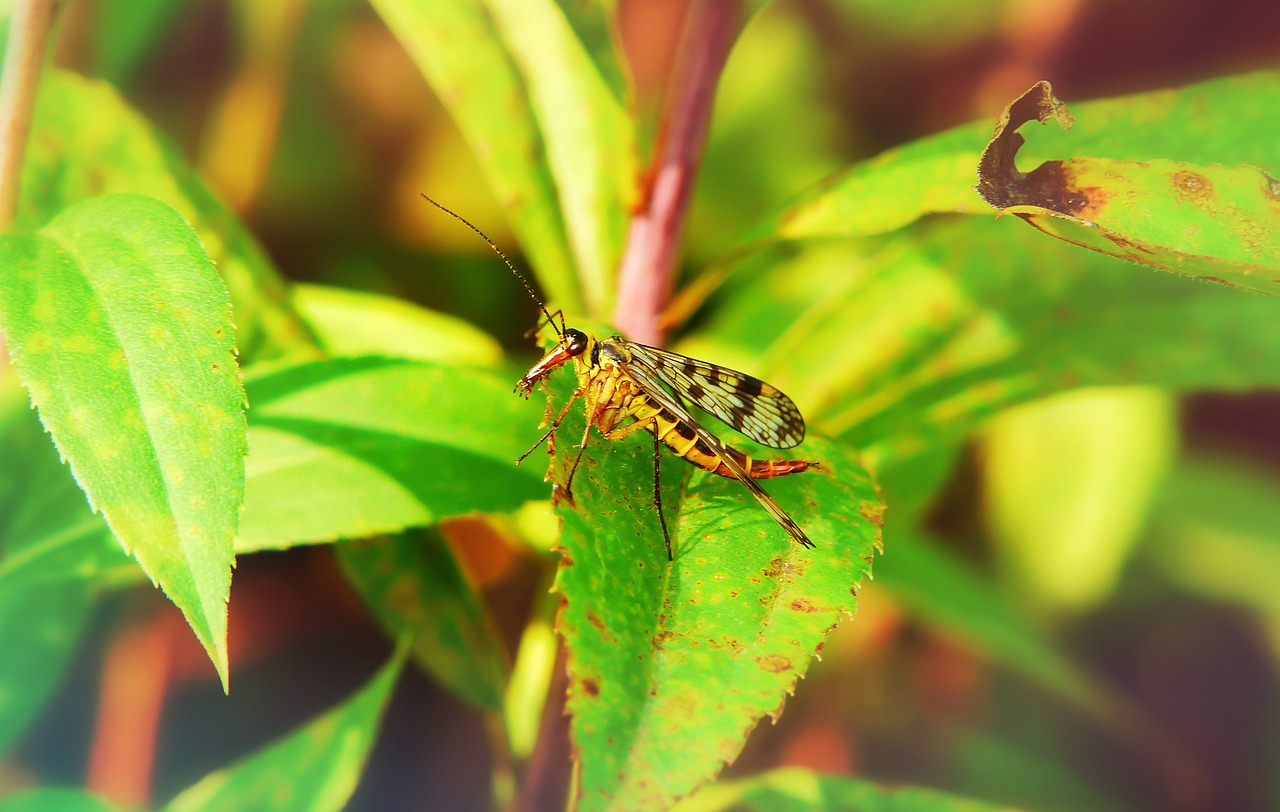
(575, 341)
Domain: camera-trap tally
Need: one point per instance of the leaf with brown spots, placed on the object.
(673, 663)
(1213, 222)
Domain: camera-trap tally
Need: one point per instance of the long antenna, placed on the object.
(497, 251)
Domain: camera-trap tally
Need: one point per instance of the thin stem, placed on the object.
(19, 79)
(647, 276)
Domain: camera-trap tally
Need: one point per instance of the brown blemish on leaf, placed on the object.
(773, 570)
(591, 686)
(1219, 280)
(999, 181)
(774, 663)
(803, 605)
(873, 514)
(595, 620)
(1193, 186)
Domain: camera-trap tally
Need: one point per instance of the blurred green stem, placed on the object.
(647, 276)
(546, 780)
(20, 77)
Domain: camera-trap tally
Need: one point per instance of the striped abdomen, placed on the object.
(680, 438)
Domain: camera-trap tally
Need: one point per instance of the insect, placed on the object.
(627, 387)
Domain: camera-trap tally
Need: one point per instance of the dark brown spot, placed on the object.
(684, 430)
(1193, 185)
(696, 391)
(774, 663)
(595, 620)
(591, 686)
(803, 605)
(752, 386)
(1219, 280)
(773, 570)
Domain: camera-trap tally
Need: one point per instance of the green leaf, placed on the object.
(412, 583)
(126, 31)
(671, 664)
(795, 788)
(1197, 124)
(316, 767)
(1067, 485)
(54, 800)
(957, 319)
(588, 137)
(1216, 531)
(1212, 222)
(86, 141)
(121, 331)
(352, 322)
(595, 24)
(951, 596)
(52, 550)
(352, 447)
(456, 46)
(736, 185)
(1034, 774)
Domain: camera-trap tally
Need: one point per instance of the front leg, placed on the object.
(592, 398)
(555, 424)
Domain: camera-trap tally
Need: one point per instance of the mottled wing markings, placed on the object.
(749, 405)
(642, 371)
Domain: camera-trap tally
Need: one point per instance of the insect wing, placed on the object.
(648, 381)
(749, 405)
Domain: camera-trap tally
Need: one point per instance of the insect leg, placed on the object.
(657, 494)
(592, 409)
(555, 424)
(582, 447)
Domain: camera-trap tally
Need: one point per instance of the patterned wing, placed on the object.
(751, 406)
(643, 374)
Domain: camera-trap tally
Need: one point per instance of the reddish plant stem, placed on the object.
(19, 80)
(647, 276)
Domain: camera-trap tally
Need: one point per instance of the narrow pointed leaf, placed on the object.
(798, 789)
(588, 137)
(316, 767)
(595, 24)
(458, 49)
(120, 329)
(412, 583)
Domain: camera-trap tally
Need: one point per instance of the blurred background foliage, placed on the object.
(310, 120)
